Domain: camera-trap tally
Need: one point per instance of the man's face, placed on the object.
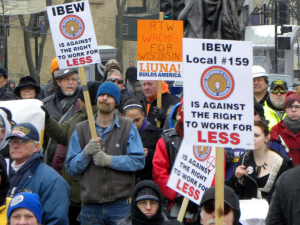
(106, 104)
(259, 85)
(150, 88)
(116, 79)
(68, 84)
(277, 99)
(23, 216)
(208, 218)
(27, 92)
(148, 207)
(293, 112)
(131, 64)
(22, 152)
(3, 81)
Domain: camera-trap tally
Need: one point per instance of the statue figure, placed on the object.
(212, 19)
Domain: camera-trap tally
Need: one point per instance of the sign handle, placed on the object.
(158, 122)
(87, 101)
(183, 209)
(219, 191)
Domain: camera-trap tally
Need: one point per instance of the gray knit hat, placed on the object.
(147, 193)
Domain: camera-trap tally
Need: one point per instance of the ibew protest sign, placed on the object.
(193, 171)
(73, 34)
(218, 103)
(159, 53)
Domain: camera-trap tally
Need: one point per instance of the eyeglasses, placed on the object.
(293, 107)
(145, 202)
(275, 92)
(68, 79)
(20, 142)
(210, 208)
(119, 81)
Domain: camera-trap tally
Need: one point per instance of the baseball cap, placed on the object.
(65, 72)
(280, 83)
(25, 131)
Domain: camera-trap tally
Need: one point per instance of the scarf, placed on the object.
(144, 125)
(293, 126)
(64, 100)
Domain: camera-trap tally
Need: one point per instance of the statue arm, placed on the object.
(184, 13)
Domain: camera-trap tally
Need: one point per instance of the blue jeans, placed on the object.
(109, 213)
(131, 86)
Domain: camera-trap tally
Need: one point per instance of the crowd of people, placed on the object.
(121, 176)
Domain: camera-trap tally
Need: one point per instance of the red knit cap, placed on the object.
(291, 95)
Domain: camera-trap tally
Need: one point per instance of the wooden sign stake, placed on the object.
(87, 101)
(219, 191)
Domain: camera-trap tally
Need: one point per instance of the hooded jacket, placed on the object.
(137, 217)
(4, 186)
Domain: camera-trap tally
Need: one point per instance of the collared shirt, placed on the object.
(134, 160)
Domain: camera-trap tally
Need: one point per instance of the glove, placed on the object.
(92, 147)
(47, 115)
(159, 113)
(102, 159)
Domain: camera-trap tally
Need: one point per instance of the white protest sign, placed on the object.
(27, 111)
(73, 34)
(218, 93)
(193, 171)
(159, 50)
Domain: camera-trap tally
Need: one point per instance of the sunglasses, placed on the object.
(210, 208)
(275, 92)
(119, 81)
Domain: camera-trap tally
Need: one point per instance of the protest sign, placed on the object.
(73, 34)
(193, 171)
(218, 106)
(159, 50)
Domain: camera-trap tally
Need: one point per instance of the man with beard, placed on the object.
(273, 107)
(61, 105)
(112, 158)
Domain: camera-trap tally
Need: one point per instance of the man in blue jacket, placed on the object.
(29, 174)
(107, 164)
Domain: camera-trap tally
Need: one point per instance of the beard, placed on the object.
(212, 221)
(69, 92)
(104, 107)
(278, 105)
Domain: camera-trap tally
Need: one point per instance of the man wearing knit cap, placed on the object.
(287, 131)
(146, 205)
(49, 88)
(273, 107)
(29, 174)
(149, 103)
(260, 84)
(4, 94)
(112, 158)
(62, 135)
(61, 105)
(25, 208)
(232, 210)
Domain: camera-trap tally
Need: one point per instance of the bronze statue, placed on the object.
(212, 19)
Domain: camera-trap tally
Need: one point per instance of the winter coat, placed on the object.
(248, 189)
(46, 90)
(131, 74)
(41, 179)
(62, 135)
(128, 220)
(52, 104)
(149, 139)
(6, 96)
(285, 205)
(292, 141)
(166, 101)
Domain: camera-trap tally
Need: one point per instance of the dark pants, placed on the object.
(109, 213)
(73, 215)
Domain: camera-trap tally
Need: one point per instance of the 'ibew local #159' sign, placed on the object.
(218, 93)
(73, 34)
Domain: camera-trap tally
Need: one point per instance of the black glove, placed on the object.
(159, 113)
(47, 115)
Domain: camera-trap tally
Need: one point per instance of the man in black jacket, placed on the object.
(61, 105)
(4, 94)
(131, 76)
